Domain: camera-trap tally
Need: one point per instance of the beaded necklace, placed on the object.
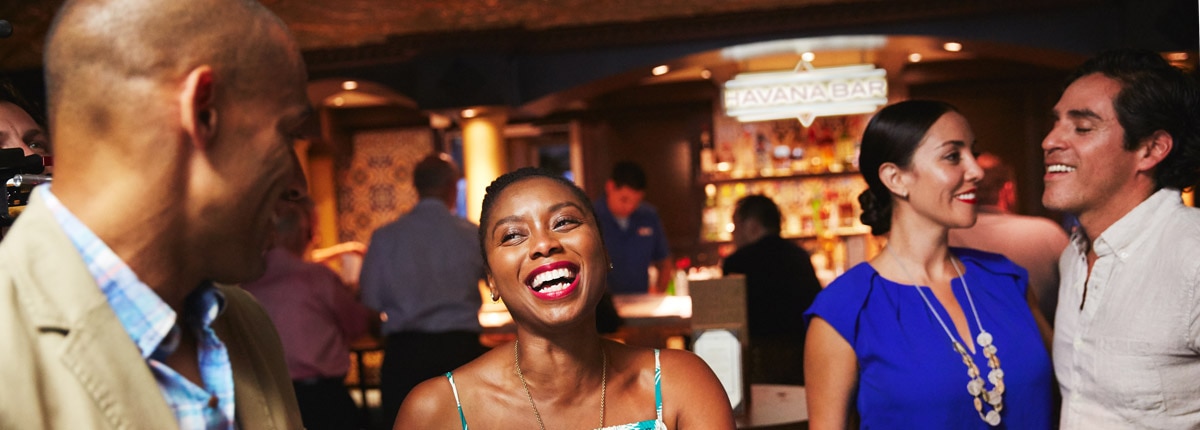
(994, 397)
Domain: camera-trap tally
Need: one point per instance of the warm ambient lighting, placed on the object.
(439, 121)
(914, 57)
(469, 113)
(660, 70)
(952, 46)
(807, 56)
(350, 85)
(1177, 56)
(339, 101)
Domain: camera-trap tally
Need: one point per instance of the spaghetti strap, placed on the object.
(463, 418)
(657, 385)
(655, 424)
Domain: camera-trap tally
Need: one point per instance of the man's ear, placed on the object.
(198, 113)
(892, 177)
(1154, 150)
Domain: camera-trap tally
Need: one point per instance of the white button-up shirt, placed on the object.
(1129, 355)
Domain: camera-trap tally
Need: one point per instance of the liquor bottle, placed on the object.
(707, 161)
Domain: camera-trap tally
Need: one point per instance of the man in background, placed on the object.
(633, 233)
(780, 284)
(1126, 140)
(423, 272)
(173, 125)
(21, 136)
(1032, 242)
(18, 127)
(316, 314)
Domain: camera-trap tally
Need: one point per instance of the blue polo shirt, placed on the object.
(632, 249)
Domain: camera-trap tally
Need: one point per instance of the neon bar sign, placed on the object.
(806, 93)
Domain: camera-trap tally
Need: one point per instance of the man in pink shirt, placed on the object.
(316, 314)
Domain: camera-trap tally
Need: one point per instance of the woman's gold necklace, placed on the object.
(975, 387)
(603, 383)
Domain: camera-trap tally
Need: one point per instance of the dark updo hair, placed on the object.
(892, 136)
(498, 186)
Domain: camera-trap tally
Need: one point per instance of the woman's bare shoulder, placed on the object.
(430, 405)
(433, 404)
(693, 397)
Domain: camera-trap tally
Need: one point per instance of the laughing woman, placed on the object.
(546, 259)
(923, 335)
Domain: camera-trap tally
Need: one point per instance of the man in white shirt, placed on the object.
(1127, 333)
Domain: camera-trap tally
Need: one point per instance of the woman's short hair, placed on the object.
(892, 136)
(498, 186)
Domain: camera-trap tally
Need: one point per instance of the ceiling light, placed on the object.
(350, 85)
(339, 101)
(660, 70)
(952, 46)
(808, 56)
(439, 121)
(705, 74)
(914, 57)
(1177, 56)
(469, 113)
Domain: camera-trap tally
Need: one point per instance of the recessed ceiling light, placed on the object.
(660, 70)
(952, 46)
(350, 85)
(808, 56)
(914, 57)
(469, 113)
(705, 74)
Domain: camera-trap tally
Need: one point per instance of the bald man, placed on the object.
(172, 125)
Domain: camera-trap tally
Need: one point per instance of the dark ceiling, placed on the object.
(453, 53)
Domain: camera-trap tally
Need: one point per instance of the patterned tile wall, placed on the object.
(375, 180)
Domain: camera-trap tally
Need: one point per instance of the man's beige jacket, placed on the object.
(67, 363)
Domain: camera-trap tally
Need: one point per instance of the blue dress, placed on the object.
(910, 377)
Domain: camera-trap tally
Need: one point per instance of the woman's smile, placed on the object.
(554, 280)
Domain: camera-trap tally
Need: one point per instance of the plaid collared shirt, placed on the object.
(151, 323)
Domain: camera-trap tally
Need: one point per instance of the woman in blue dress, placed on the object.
(924, 336)
(546, 258)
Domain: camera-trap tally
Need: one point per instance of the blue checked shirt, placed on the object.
(151, 323)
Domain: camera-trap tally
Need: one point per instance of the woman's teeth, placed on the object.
(550, 275)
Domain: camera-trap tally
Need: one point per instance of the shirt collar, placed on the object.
(433, 202)
(1128, 230)
(147, 319)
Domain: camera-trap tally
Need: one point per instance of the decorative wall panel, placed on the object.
(375, 180)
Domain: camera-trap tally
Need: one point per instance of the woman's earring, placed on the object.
(494, 297)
